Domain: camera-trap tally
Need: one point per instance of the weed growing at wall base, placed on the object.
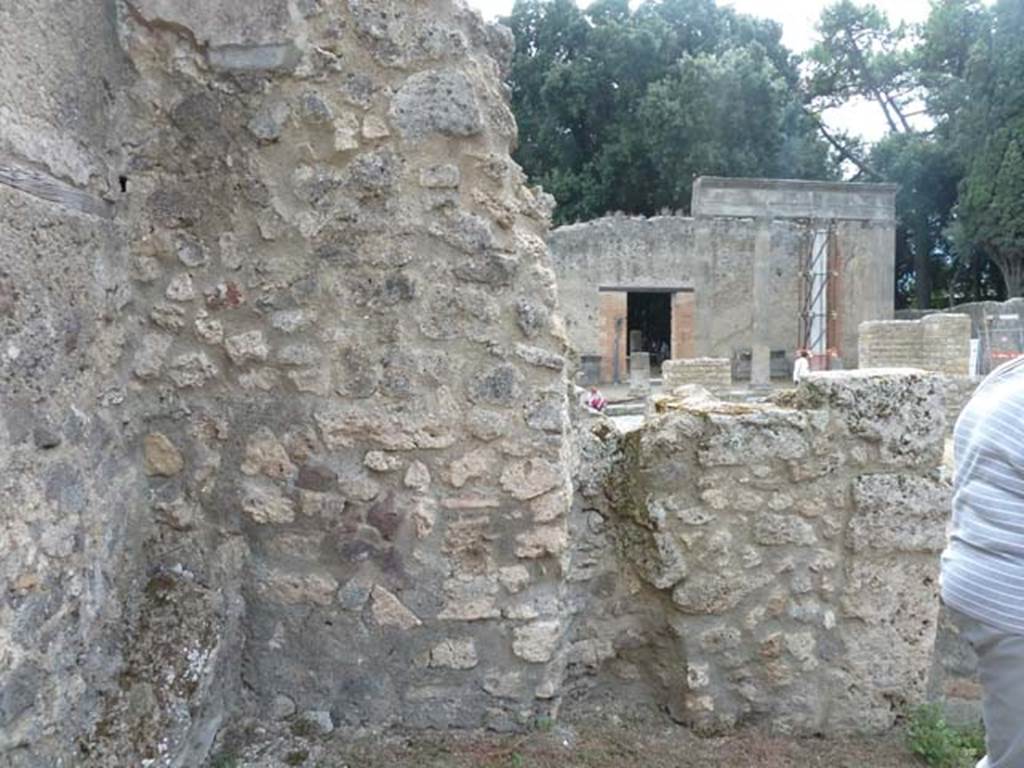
(941, 745)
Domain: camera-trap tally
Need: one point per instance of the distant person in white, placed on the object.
(983, 565)
(802, 365)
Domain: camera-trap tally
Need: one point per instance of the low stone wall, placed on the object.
(940, 343)
(711, 372)
(791, 550)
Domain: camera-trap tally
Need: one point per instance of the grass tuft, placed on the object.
(941, 745)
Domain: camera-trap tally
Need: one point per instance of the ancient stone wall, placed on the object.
(714, 373)
(789, 549)
(285, 439)
(343, 293)
(939, 343)
(70, 533)
(284, 395)
(741, 255)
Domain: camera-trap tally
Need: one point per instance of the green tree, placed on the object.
(928, 173)
(991, 208)
(985, 123)
(860, 55)
(724, 114)
(587, 86)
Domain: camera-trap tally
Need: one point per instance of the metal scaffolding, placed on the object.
(819, 296)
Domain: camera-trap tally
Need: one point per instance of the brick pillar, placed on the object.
(684, 330)
(612, 335)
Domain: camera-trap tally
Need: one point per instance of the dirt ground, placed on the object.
(593, 745)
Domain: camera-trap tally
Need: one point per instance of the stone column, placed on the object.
(702, 314)
(640, 374)
(636, 343)
(760, 363)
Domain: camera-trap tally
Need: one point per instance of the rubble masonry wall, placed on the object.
(793, 549)
(285, 433)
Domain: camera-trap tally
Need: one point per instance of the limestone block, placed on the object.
(530, 478)
(436, 101)
(717, 593)
(389, 611)
(479, 463)
(380, 461)
(149, 359)
(192, 370)
(208, 329)
(454, 653)
(887, 648)
(265, 504)
(514, 578)
(536, 642)
(542, 541)
(264, 454)
(712, 373)
(247, 347)
(469, 598)
(417, 476)
(161, 456)
(181, 288)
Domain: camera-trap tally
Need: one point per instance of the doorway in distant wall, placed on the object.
(649, 324)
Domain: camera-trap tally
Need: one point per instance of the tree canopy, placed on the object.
(619, 109)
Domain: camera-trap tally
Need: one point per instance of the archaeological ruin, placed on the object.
(761, 268)
(288, 439)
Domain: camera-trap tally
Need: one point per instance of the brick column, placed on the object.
(684, 331)
(612, 335)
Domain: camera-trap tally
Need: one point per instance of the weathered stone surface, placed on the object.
(161, 456)
(899, 410)
(389, 611)
(247, 347)
(454, 653)
(899, 513)
(265, 504)
(542, 541)
(811, 581)
(530, 478)
(536, 642)
(436, 102)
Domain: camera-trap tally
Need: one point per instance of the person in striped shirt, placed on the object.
(983, 565)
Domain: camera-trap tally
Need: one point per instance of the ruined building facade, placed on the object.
(285, 430)
(762, 267)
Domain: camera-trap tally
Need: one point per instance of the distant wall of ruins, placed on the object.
(939, 343)
(741, 254)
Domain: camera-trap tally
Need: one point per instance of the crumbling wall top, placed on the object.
(793, 199)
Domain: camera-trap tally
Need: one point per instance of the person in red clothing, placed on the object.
(596, 401)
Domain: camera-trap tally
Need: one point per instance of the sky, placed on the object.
(797, 18)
